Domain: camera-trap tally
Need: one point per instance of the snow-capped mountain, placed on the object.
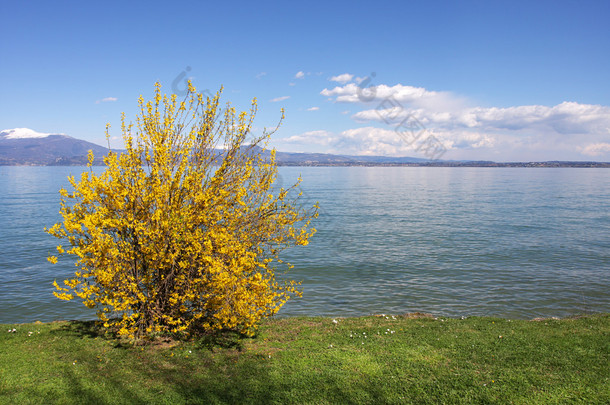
(23, 133)
(24, 146)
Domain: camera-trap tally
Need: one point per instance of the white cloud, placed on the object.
(275, 100)
(566, 131)
(343, 78)
(299, 75)
(261, 74)
(596, 149)
(369, 141)
(320, 137)
(564, 118)
(106, 100)
(392, 104)
(374, 141)
(460, 144)
(352, 93)
(313, 108)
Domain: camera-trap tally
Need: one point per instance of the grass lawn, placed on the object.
(367, 360)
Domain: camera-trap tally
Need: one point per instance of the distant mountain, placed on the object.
(322, 159)
(23, 146)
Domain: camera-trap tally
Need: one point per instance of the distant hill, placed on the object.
(23, 146)
(323, 159)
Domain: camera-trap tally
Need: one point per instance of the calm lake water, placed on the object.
(510, 242)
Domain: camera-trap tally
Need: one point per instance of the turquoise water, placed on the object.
(511, 242)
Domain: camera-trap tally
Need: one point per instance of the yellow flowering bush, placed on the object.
(182, 231)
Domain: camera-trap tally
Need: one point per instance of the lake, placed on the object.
(509, 242)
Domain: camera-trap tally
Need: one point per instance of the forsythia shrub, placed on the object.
(181, 233)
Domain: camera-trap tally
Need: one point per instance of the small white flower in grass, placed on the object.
(335, 321)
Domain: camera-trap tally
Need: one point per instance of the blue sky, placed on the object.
(512, 81)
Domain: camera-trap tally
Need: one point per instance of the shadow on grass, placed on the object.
(255, 381)
(204, 341)
(219, 370)
(225, 339)
(221, 339)
(90, 329)
(224, 367)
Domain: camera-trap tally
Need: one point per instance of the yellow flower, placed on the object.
(171, 222)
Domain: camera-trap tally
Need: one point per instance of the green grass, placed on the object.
(317, 361)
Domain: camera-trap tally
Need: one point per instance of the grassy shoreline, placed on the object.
(381, 359)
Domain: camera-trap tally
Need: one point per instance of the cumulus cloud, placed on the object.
(564, 118)
(596, 149)
(299, 75)
(566, 131)
(343, 78)
(459, 144)
(275, 100)
(319, 137)
(352, 93)
(369, 141)
(106, 100)
(313, 108)
(392, 104)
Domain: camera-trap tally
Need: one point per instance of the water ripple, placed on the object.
(518, 243)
